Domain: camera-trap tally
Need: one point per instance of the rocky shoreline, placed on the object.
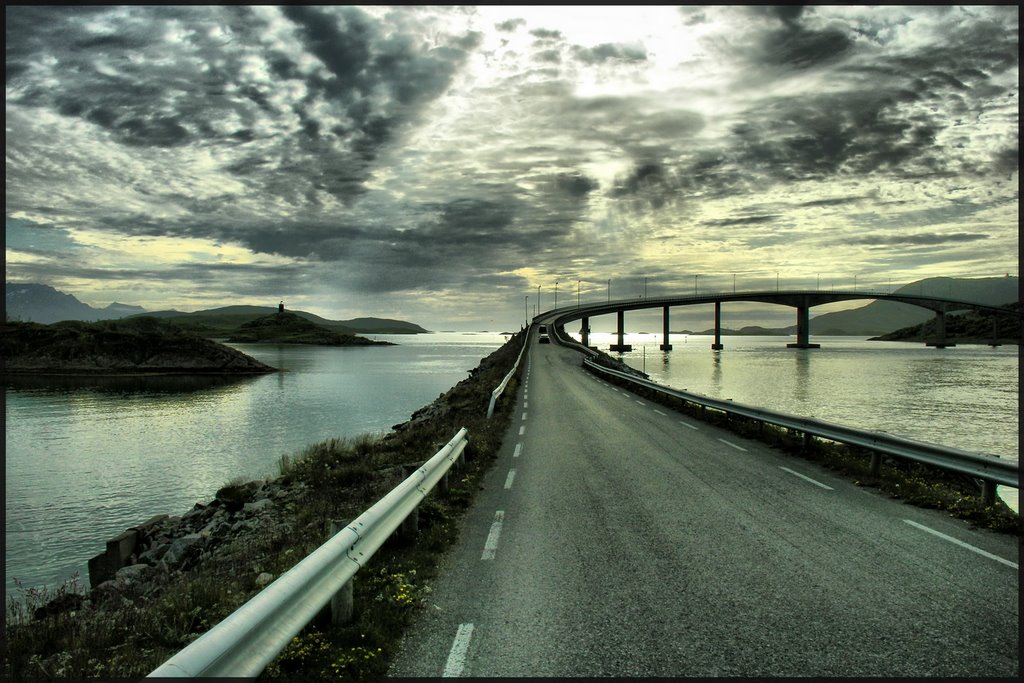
(139, 562)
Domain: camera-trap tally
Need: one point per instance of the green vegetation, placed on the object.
(971, 327)
(285, 327)
(134, 345)
(50, 635)
(914, 483)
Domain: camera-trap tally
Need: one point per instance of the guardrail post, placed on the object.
(988, 492)
(341, 603)
(876, 464)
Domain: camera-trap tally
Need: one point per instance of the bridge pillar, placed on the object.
(717, 345)
(995, 332)
(664, 328)
(585, 332)
(621, 346)
(803, 330)
(940, 332)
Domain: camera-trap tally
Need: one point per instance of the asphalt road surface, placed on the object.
(615, 537)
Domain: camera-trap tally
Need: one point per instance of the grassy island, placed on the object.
(133, 346)
(285, 327)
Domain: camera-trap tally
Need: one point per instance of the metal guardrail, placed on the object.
(988, 468)
(501, 387)
(253, 635)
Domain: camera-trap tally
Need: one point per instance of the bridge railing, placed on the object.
(249, 638)
(501, 387)
(990, 469)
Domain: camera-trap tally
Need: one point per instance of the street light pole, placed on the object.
(526, 309)
(556, 293)
(609, 291)
(776, 281)
(538, 299)
(577, 294)
(695, 285)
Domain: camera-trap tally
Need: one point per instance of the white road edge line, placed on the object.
(806, 478)
(457, 656)
(526, 404)
(660, 413)
(739, 448)
(640, 402)
(519, 450)
(522, 430)
(509, 478)
(962, 544)
(687, 424)
(491, 544)
(524, 415)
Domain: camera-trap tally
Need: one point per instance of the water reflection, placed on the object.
(125, 384)
(802, 373)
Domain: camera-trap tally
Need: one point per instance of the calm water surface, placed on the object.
(87, 460)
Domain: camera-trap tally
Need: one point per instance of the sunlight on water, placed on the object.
(88, 458)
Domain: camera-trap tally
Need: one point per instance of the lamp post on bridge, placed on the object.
(538, 299)
(577, 294)
(695, 285)
(609, 291)
(526, 309)
(556, 293)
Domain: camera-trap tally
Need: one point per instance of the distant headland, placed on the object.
(285, 327)
(136, 346)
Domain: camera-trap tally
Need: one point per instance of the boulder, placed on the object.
(234, 496)
(154, 554)
(258, 506)
(182, 550)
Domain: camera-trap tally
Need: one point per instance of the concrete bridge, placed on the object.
(801, 300)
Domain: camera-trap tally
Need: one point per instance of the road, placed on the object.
(615, 537)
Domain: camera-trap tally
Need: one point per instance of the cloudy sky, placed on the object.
(438, 164)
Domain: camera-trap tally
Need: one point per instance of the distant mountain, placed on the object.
(31, 302)
(229, 318)
(881, 317)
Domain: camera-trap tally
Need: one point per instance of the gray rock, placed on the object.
(234, 496)
(135, 573)
(264, 579)
(182, 550)
(154, 554)
(258, 506)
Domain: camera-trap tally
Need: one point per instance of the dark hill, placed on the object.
(285, 327)
(971, 327)
(135, 346)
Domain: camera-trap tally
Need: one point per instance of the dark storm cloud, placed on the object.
(794, 46)
(576, 184)
(746, 220)
(144, 90)
(915, 239)
(608, 52)
(510, 25)
(545, 34)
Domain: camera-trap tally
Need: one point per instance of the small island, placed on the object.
(285, 327)
(132, 346)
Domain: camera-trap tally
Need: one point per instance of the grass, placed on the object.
(333, 480)
(914, 483)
